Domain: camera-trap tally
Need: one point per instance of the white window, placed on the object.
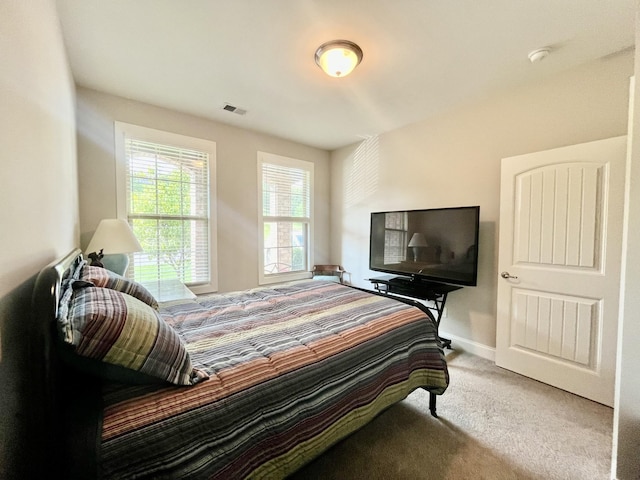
(166, 191)
(285, 193)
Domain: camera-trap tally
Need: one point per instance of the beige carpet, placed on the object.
(493, 424)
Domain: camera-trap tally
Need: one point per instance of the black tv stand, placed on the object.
(420, 289)
(410, 282)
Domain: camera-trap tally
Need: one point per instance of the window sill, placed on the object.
(283, 277)
(200, 288)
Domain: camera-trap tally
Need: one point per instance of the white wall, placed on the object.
(38, 142)
(626, 434)
(454, 159)
(237, 203)
(39, 199)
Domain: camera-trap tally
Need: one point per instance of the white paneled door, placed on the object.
(559, 265)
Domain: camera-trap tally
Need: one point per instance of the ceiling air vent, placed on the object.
(233, 109)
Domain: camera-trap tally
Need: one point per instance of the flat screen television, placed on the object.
(430, 245)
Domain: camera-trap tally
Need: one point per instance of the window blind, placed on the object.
(285, 192)
(168, 209)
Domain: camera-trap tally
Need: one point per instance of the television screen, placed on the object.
(438, 245)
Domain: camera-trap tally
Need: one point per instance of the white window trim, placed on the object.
(123, 130)
(271, 158)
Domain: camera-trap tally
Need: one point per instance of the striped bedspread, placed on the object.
(293, 369)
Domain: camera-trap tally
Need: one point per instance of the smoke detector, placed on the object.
(539, 54)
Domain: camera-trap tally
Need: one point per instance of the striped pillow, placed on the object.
(123, 339)
(101, 277)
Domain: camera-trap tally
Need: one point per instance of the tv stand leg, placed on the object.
(432, 404)
(439, 308)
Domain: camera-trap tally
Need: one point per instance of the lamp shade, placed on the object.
(114, 235)
(338, 58)
(418, 240)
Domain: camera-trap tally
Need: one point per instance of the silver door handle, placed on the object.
(507, 275)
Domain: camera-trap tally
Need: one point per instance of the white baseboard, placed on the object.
(479, 349)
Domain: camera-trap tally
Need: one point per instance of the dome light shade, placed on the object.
(338, 58)
(539, 54)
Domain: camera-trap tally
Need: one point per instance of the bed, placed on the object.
(258, 384)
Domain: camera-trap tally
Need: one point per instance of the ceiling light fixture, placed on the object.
(539, 54)
(338, 58)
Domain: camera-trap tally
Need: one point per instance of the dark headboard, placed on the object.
(70, 403)
(45, 300)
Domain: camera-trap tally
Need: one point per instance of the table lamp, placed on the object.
(113, 240)
(416, 243)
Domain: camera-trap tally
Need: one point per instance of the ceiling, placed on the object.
(421, 57)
